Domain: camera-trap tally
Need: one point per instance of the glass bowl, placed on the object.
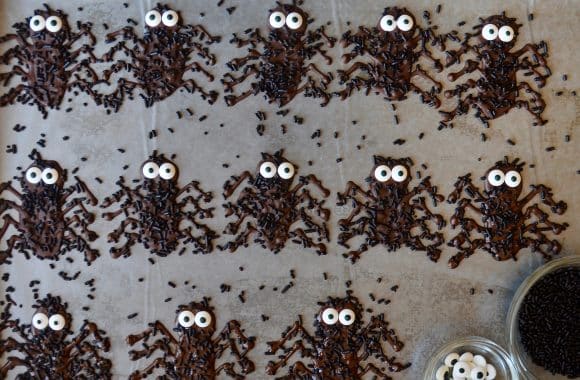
(526, 367)
(492, 352)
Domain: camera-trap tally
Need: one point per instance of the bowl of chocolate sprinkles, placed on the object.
(476, 345)
(543, 325)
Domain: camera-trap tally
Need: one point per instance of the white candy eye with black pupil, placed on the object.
(461, 370)
(513, 178)
(49, 176)
(346, 317)
(34, 175)
(170, 18)
(286, 170)
(399, 173)
(496, 177)
(330, 316)
(489, 32)
(277, 20)
(506, 33)
(150, 170)
(167, 171)
(382, 173)
(203, 319)
(56, 322)
(53, 24)
(186, 319)
(267, 169)
(40, 321)
(37, 23)
(477, 373)
(388, 23)
(405, 23)
(451, 359)
(153, 18)
(294, 20)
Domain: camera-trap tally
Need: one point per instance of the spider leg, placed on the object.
(11, 96)
(191, 86)
(240, 240)
(87, 330)
(11, 363)
(230, 84)
(542, 218)
(374, 370)
(16, 70)
(546, 197)
(465, 251)
(535, 105)
(80, 243)
(544, 246)
(157, 363)
(77, 222)
(202, 243)
(232, 100)
(236, 63)
(300, 237)
(229, 188)
(160, 344)
(195, 66)
(355, 255)
(231, 334)
(419, 72)
(273, 366)
(201, 30)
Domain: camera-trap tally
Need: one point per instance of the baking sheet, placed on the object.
(432, 305)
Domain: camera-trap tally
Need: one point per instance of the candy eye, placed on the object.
(466, 357)
(451, 359)
(40, 321)
(286, 170)
(491, 372)
(382, 173)
(49, 176)
(267, 170)
(442, 373)
(170, 18)
(203, 319)
(150, 170)
(479, 361)
(53, 24)
(186, 319)
(153, 18)
(489, 32)
(33, 175)
(399, 173)
(37, 23)
(506, 33)
(346, 317)
(167, 171)
(496, 177)
(477, 373)
(56, 322)
(405, 23)
(330, 316)
(277, 20)
(294, 20)
(388, 23)
(461, 370)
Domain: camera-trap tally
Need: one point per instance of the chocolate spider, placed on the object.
(160, 60)
(156, 209)
(279, 61)
(505, 222)
(274, 206)
(497, 88)
(45, 350)
(194, 353)
(391, 51)
(390, 210)
(45, 61)
(341, 348)
(49, 222)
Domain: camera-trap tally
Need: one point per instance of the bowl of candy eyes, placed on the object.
(470, 358)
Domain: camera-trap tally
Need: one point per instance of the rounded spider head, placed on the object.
(162, 19)
(397, 23)
(51, 322)
(47, 26)
(497, 33)
(339, 318)
(159, 173)
(275, 173)
(287, 21)
(504, 179)
(195, 321)
(390, 173)
(42, 176)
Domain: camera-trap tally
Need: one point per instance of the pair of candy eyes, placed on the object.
(154, 18)
(285, 170)
(497, 178)
(404, 23)
(293, 20)
(166, 171)
(49, 175)
(466, 366)
(331, 316)
(490, 32)
(56, 322)
(187, 319)
(53, 23)
(383, 173)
